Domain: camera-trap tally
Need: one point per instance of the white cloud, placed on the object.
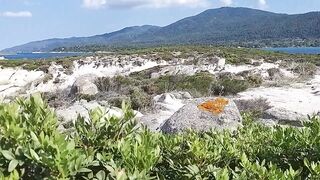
(17, 14)
(226, 2)
(95, 4)
(262, 4)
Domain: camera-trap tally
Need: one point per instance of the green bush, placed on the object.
(305, 69)
(139, 99)
(254, 80)
(229, 86)
(254, 107)
(117, 148)
(198, 84)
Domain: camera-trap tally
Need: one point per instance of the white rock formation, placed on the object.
(85, 85)
(99, 68)
(165, 105)
(83, 108)
(14, 80)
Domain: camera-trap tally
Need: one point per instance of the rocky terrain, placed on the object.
(167, 93)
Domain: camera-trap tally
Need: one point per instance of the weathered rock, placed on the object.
(221, 64)
(16, 81)
(256, 62)
(71, 113)
(167, 102)
(186, 95)
(268, 122)
(284, 117)
(191, 117)
(85, 85)
(164, 106)
(275, 73)
(82, 108)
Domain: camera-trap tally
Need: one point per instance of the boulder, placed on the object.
(284, 117)
(167, 102)
(164, 106)
(221, 64)
(84, 85)
(69, 114)
(203, 115)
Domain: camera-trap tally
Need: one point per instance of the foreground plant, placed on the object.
(31, 147)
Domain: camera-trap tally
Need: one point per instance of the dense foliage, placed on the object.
(139, 88)
(104, 147)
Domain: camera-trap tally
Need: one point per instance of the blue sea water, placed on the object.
(26, 56)
(296, 50)
(39, 56)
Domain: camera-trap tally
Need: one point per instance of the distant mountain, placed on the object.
(127, 34)
(223, 25)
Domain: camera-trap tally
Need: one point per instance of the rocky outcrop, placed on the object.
(176, 109)
(212, 65)
(14, 82)
(282, 116)
(84, 85)
(164, 106)
(67, 115)
(203, 115)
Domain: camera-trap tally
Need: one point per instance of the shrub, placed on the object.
(254, 80)
(229, 86)
(254, 107)
(58, 98)
(117, 148)
(103, 83)
(116, 101)
(198, 84)
(145, 74)
(305, 69)
(139, 99)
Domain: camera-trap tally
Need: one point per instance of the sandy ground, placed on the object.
(302, 98)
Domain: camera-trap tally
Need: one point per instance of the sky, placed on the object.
(22, 21)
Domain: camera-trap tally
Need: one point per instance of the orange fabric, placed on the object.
(214, 106)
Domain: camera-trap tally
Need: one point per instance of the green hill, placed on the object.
(214, 26)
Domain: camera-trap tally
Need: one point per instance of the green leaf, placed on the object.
(84, 170)
(101, 175)
(12, 165)
(71, 145)
(35, 138)
(8, 154)
(34, 155)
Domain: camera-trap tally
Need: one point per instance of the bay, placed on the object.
(39, 56)
(296, 50)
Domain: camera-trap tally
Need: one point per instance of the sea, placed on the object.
(296, 50)
(39, 56)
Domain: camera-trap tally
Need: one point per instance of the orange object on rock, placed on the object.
(214, 106)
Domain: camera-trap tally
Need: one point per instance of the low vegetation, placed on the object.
(41, 65)
(138, 88)
(233, 55)
(305, 69)
(116, 148)
(254, 107)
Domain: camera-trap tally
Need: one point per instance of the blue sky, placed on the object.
(22, 21)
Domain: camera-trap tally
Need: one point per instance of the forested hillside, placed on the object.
(226, 26)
